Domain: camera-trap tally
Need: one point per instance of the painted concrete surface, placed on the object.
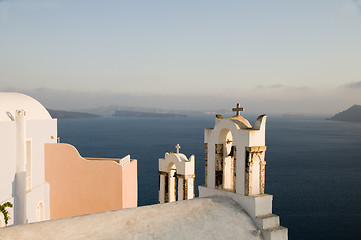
(10, 102)
(254, 205)
(200, 218)
(25, 126)
(80, 186)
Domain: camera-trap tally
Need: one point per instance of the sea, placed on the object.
(313, 165)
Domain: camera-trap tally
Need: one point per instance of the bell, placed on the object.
(231, 153)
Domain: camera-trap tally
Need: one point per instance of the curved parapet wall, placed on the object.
(80, 186)
(198, 219)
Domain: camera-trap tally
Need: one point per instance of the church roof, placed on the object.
(241, 122)
(181, 157)
(11, 101)
(199, 218)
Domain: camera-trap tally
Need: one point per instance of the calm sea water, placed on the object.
(313, 165)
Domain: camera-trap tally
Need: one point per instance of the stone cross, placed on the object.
(177, 147)
(238, 109)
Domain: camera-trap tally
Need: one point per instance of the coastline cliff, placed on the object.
(352, 114)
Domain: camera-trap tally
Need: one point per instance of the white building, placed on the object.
(25, 127)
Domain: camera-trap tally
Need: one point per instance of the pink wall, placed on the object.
(79, 186)
(130, 186)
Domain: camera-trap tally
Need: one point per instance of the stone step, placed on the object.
(267, 221)
(279, 233)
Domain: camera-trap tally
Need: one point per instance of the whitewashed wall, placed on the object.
(7, 159)
(39, 132)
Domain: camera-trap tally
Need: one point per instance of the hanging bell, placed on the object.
(231, 153)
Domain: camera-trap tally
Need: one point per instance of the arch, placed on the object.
(226, 137)
(39, 212)
(225, 161)
(221, 128)
(222, 155)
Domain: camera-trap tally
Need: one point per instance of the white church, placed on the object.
(231, 205)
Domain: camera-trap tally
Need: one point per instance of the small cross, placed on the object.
(238, 109)
(178, 147)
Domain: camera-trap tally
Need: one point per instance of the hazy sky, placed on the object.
(273, 56)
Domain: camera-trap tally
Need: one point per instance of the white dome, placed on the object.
(11, 101)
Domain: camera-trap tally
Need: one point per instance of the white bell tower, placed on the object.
(235, 167)
(176, 177)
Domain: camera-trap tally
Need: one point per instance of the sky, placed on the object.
(271, 56)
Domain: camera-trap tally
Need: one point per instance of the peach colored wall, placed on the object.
(130, 187)
(79, 186)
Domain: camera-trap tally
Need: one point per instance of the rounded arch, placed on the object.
(226, 133)
(224, 127)
(177, 159)
(226, 137)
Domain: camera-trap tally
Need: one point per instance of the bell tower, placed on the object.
(235, 155)
(176, 177)
(235, 168)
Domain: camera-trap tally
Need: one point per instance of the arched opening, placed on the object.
(172, 182)
(39, 212)
(225, 161)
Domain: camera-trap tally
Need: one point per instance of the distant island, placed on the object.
(352, 114)
(294, 114)
(124, 113)
(66, 114)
